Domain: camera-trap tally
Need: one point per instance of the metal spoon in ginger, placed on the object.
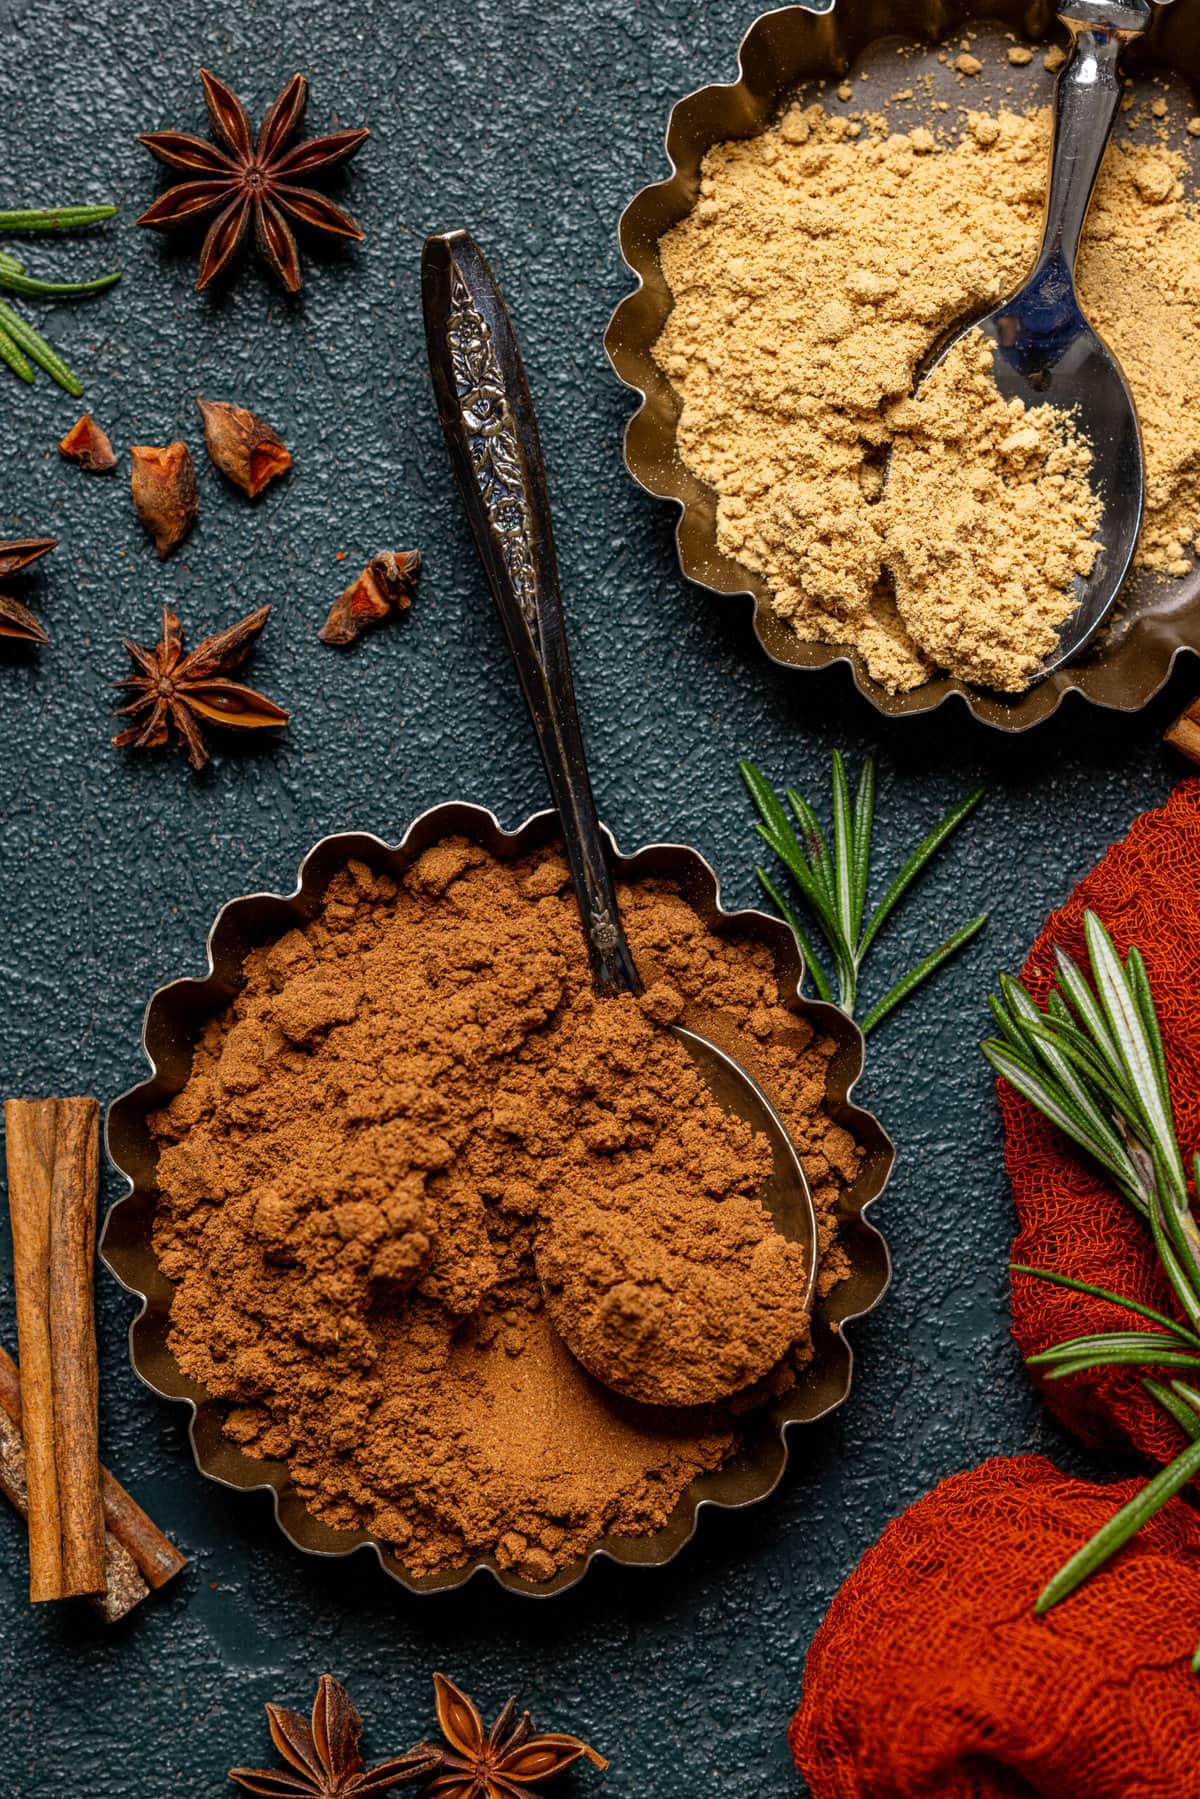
(1044, 350)
(602, 1289)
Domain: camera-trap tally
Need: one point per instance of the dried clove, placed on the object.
(243, 446)
(385, 586)
(163, 481)
(89, 446)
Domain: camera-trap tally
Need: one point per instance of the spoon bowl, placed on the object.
(491, 433)
(1044, 350)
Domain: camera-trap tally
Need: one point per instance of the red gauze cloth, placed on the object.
(932, 1679)
(1147, 891)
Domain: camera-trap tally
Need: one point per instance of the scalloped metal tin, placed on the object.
(781, 51)
(174, 1018)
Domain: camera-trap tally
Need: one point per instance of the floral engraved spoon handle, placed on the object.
(487, 417)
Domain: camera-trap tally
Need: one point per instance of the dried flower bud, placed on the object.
(18, 623)
(243, 446)
(164, 492)
(89, 446)
(385, 585)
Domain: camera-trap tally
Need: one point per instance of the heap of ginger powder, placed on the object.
(823, 261)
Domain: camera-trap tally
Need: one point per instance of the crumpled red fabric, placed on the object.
(1147, 891)
(931, 1678)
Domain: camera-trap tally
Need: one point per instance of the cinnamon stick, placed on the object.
(124, 1587)
(154, 1556)
(1184, 734)
(53, 1150)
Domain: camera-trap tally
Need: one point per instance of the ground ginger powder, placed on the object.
(354, 1179)
(985, 498)
(823, 261)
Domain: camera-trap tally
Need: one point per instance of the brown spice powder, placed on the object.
(822, 262)
(987, 519)
(355, 1177)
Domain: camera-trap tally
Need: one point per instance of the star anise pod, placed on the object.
(325, 1754)
(17, 621)
(506, 1762)
(170, 688)
(241, 177)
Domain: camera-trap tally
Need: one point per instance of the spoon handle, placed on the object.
(487, 417)
(1086, 107)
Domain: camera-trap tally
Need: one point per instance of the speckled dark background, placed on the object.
(532, 121)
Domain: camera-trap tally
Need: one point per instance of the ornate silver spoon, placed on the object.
(1046, 353)
(488, 421)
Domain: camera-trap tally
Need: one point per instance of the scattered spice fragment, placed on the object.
(325, 1753)
(89, 446)
(174, 689)
(242, 178)
(1054, 58)
(1184, 734)
(968, 65)
(53, 1154)
(1194, 127)
(507, 1761)
(243, 446)
(16, 621)
(21, 551)
(1020, 56)
(165, 497)
(385, 586)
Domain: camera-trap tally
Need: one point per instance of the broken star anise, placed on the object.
(325, 1755)
(506, 1762)
(241, 177)
(16, 621)
(170, 688)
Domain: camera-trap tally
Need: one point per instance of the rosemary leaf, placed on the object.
(843, 853)
(1125, 1021)
(1080, 997)
(864, 819)
(812, 967)
(1050, 1101)
(1118, 1299)
(1121, 1528)
(923, 853)
(1185, 1292)
(1185, 1416)
(833, 873)
(910, 982)
(817, 849)
(56, 218)
(38, 350)
(797, 865)
(25, 284)
(10, 354)
(1154, 1348)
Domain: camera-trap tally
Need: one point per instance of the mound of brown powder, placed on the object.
(823, 261)
(370, 1146)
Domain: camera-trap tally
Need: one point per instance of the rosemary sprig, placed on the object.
(1092, 1062)
(833, 879)
(20, 344)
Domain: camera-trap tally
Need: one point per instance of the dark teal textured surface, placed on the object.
(532, 122)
